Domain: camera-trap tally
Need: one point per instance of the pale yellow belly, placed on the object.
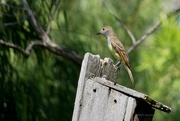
(114, 53)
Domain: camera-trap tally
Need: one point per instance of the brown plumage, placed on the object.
(117, 48)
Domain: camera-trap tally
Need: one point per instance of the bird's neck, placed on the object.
(108, 40)
(109, 37)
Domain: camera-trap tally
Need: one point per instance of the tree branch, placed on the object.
(11, 6)
(151, 30)
(138, 42)
(56, 50)
(39, 30)
(47, 42)
(52, 16)
(14, 46)
(25, 52)
(15, 23)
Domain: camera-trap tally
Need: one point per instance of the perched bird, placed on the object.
(117, 48)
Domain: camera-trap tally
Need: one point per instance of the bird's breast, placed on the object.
(115, 54)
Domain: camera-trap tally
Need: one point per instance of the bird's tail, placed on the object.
(130, 74)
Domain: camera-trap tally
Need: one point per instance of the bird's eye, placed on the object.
(103, 29)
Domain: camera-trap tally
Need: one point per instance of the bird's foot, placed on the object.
(104, 76)
(118, 64)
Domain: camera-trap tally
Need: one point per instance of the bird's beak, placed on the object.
(98, 33)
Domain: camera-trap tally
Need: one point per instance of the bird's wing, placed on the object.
(117, 45)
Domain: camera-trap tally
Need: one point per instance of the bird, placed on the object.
(117, 49)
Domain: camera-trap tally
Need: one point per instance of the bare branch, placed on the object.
(122, 24)
(52, 15)
(26, 52)
(32, 44)
(14, 46)
(47, 42)
(56, 50)
(65, 52)
(39, 30)
(174, 12)
(15, 23)
(12, 6)
(152, 30)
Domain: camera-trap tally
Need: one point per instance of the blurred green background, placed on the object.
(43, 86)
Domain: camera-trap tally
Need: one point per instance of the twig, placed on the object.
(121, 23)
(153, 29)
(32, 19)
(56, 50)
(14, 46)
(25, 52)
(15, 23)
(32, 44)
(47, 42)
(12, 6)
(52, 16)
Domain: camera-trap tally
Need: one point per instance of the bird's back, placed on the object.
(119, 48)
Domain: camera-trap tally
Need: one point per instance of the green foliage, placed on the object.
(43, 86)
(160, 57)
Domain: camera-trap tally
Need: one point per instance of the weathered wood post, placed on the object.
(98, 99)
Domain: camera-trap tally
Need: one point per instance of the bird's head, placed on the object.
(106, 30)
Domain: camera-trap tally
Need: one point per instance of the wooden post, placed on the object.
(98, 99)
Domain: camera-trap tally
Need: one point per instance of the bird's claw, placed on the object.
(104, 76)
(118, 64)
